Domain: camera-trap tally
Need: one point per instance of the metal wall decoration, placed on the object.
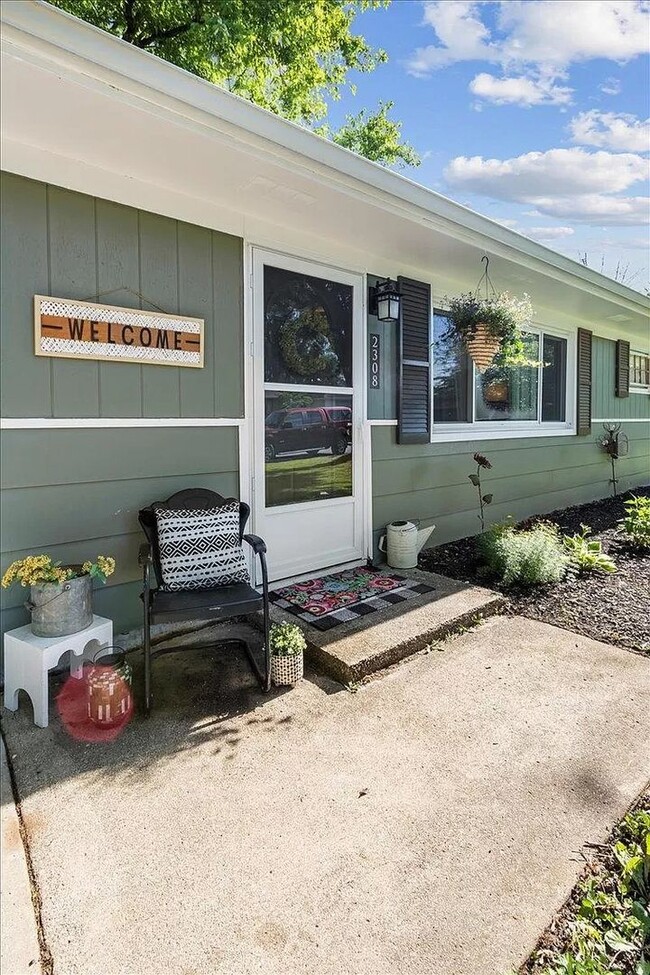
(84, 330)
(374, 366)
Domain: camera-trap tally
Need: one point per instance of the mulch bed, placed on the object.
(612, 608)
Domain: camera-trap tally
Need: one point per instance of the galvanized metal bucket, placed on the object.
(61, 608)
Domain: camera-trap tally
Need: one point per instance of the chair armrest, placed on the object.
(144, 554)
(256, 543)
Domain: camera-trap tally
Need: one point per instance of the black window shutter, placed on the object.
(622, 368)
(584, 382)
(414, 386)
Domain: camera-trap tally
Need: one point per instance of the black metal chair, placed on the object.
(219, 603)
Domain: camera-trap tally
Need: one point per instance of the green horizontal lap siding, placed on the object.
(69, 245)
(605, 404)
(76, 493)
(429, 483)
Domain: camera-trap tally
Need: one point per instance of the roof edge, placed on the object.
(86, 44)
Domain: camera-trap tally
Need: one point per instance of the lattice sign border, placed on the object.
(68, 329)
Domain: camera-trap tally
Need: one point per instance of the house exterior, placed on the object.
(131, 185)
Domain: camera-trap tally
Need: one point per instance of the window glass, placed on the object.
(307, 329)
(307, 446)
(509, 392)
(451, 375)
(313, 418)
(639, 369)
(554, 379)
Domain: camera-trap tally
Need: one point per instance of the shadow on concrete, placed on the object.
(201, 695)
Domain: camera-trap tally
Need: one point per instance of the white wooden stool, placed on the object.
(29, 659)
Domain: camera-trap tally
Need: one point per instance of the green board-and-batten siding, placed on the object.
(69, 245)
(76, 494)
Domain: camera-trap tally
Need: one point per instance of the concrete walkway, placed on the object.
(429, 824)
(19, 951)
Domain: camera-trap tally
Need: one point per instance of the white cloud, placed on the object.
(611, 131)
(463, 37)
(549, 233)
(611, 86)
(519, 91)
(543, 34)
(567, 183)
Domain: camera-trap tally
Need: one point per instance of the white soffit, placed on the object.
(84, 110)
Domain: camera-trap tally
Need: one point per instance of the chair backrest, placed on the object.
(193, 499)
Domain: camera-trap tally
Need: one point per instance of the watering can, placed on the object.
(402, 543)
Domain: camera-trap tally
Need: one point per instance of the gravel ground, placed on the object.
(614, 608)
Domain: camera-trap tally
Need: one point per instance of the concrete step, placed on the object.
(353, 650)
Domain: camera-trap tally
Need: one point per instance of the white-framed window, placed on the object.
(639, 371)
(531, 400)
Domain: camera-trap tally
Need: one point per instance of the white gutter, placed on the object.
(33, 25)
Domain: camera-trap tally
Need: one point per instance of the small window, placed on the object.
(531, 394)
(639, 371)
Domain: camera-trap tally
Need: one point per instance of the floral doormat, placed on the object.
(344, 596)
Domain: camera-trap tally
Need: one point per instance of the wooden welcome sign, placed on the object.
(83, 330)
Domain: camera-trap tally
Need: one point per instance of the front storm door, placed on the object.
(307, 484)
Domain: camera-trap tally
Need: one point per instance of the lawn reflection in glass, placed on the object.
(308, 447)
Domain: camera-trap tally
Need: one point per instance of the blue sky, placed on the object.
(482, 86)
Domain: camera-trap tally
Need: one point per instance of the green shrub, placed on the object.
(636, 523)
(287, 639)
(526, 558)
(586, 554)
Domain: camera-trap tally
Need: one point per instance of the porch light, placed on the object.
(385, 300)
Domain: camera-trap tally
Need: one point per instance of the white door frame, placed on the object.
(254, 259)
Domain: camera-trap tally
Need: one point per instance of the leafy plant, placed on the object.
(527, 558)
(586, 554)
(38, 569)
(636, 523)
(287, 640)
(610, 931)
(482, 463)
(502, 315)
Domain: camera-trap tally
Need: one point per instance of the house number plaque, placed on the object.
(83, 330)
(375, 361)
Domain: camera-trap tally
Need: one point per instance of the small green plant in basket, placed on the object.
(287, 639)
(586, 554)
(287, 646)
(636, 523)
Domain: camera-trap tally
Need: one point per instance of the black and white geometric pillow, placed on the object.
(200, 548)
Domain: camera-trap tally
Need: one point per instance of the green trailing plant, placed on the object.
(636, 523)
(287, 640)
(532, 557)
(482, 463)
(586, 554)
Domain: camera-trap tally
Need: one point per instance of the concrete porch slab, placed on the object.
(363, 646)
(430, 823)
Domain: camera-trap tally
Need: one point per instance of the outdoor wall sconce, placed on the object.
(384, 300)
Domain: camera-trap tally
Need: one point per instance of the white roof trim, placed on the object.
(47, 31)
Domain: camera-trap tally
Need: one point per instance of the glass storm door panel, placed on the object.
(308, 469)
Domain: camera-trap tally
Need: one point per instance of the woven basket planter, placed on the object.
(287, 670)
(482, 348)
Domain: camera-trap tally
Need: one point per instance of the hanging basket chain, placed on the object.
(486, 280)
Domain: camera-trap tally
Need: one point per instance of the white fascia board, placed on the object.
(48, 33)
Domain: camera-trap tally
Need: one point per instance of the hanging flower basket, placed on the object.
(490, 324)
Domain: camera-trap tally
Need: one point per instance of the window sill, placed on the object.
(445, 433)
(643, 390)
